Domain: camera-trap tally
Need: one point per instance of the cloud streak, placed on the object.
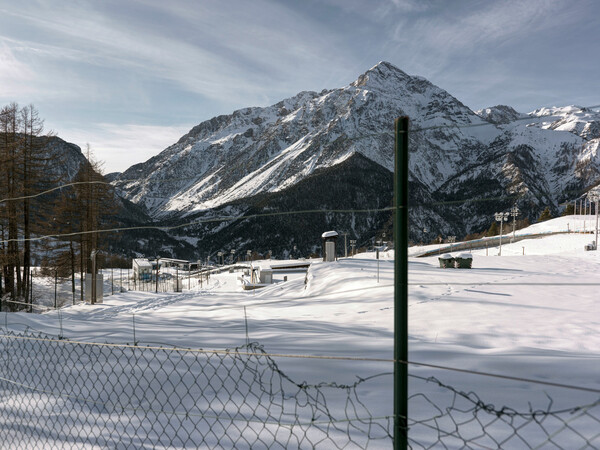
(209, 61)
(143, 63)
(120, 146)
(14, 75)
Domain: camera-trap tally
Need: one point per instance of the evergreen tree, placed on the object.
(546, 215)
(494, 229)
(569, 210)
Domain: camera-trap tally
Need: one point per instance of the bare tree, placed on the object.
(33, 172)
(8, 153)
(94, 199)
(23, 171)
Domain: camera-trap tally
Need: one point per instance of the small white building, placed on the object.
(142, 269)
(265, 276)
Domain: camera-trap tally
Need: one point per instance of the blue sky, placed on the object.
(131, 77)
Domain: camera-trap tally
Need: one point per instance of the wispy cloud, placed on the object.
(207, 56)
(119, 146)
(183, 61)
(15, 76)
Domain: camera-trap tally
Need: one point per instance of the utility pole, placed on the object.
(595, 197)
(31, 291)
(514, 211)
(345, 234)
(55, 287)
(501, 217)
(584, 214)
(93, 286)
(596, 241)
(451, 240)
(157, 263)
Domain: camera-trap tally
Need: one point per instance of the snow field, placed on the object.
(534, 316)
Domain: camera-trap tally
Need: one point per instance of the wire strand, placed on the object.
(300, 356)
(365, 136)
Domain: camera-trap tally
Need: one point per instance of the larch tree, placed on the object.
(36, 175)
(24, 172)
(8, 151)
(95, 201)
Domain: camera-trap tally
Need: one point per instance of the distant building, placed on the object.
(178, 263)
(142, 269)
(329, 244)
(265, 275)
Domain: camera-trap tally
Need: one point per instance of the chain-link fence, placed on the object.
(451, 418)
(61, 393)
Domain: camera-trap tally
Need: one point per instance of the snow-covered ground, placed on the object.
(535, 316)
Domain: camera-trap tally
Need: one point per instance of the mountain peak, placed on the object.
(384, 66)
(381, 73)
(499, 114)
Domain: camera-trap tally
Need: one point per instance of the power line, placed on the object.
(56, 188)
(201, 221)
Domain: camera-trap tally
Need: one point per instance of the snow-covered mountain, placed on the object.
(500, 114)
(268, 149)
(464, 164)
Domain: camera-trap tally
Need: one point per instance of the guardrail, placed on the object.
(493, 241)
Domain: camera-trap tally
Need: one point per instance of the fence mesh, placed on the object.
(451, 418)
(60, 393)
(57, 394)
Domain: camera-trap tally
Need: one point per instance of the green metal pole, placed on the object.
(401, 285)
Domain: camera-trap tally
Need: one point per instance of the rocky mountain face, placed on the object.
(334, 150)
(63, 163)
(500, 114)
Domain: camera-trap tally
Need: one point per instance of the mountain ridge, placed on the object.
(538, 159)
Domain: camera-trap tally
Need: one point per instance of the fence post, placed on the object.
(55, 286)
(157, 274)
(30, 291)
(401, 284)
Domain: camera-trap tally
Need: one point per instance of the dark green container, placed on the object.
(463, 261)
(446, 261)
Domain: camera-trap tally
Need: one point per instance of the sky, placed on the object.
(131, 77)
